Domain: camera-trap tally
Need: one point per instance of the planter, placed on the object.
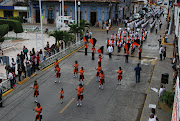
(165, 107)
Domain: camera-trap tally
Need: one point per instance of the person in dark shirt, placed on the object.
(137, 69)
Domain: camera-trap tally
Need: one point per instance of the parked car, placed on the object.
(159, 2)
(165, 3)
(137, 16)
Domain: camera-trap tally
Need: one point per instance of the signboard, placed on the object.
(20, 8)
(35, 5)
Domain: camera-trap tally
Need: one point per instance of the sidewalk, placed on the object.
(152, 97)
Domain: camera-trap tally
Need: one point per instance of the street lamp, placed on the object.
(75, 13)
(79, 3)
(63, 13)
(41, 27)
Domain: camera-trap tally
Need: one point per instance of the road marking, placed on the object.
(7, 92)
(63, 58)
(67, 106)
(89, 80)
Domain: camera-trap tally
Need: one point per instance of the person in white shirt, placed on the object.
(107, 28)
(13, 65)
(151, 117)
(1, 55)
(10, 77)
(110, 50)
(156, 28)
(90, 34)
(161, 90)
(161, 50)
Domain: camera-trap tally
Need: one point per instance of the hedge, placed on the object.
(4, 30)
(17, 18)
(16, 25)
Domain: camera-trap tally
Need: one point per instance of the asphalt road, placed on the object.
(114, 103)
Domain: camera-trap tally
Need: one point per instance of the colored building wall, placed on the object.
(1, 13)
(15, 13)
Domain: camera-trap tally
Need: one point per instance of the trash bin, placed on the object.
(164, 78)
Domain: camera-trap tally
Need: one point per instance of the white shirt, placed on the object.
(107, 28)
(152, 119)
(110, 49)
(13, 64)
(10, 76)
(161, 90)
(161, 50)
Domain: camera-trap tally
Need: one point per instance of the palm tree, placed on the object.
(62, 35)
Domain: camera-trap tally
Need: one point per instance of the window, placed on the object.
(8, 13)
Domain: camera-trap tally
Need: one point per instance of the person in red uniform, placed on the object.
(107, 42)
(127, 54)
(119, 75)
(38, 110)
(58, 74)
(75, 68)
(36, 91)
(99, 59)
(80, 90)
(98, 71)
(140, 51)
(93, 51)
(101, 80)
(61, 95)
(86, 47)
(81, 77)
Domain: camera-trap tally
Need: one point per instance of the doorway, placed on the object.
(37, 16)
(93, 18)
(50, 17)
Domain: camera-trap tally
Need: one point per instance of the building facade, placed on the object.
(92, 11)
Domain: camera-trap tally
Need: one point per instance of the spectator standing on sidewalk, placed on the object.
(107, 29)
(19, 72)
(153, 111)
(25, 51)
(156, 28)
(164, 52)
(13, 65)
(137, 69)
(28, 65)
(23, 70)
(151, 117)
(1, 55)
(161, 50)
(160, 41)
(22, 57)
(37, 61)
(10, 77)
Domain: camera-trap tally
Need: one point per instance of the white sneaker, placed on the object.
(74, 76)
(59, 81)
(77, 104)
(55, 81)
(99, 87)
(80, 104)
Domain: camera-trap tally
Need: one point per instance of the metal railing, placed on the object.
(50, 60)
(5, 85)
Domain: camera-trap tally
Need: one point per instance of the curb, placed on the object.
(7, 92)
(33, 75)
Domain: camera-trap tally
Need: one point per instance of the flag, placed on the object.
(93, 41)
(125, 46)
(135, 43)
(101, 49)
(84, 39)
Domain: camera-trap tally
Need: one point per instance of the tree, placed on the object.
(62, 35)
(4, 30)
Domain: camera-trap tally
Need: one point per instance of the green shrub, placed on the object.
(16, 25)
(4, 30)
(168, 98)
(17, 18)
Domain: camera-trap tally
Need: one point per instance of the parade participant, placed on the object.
(112, 36)
(58, 74)
(56, 63)
(99, 59)
(39, 112)
(107, 42)
(75, 69)
(101, 80)
(116, 39)
(156, 28)
(80, 90)
(132, 38)
(140, 51)
(119, 45)
(128, 43)
(119, 76)
(160, 41)
(112, 43)
(81, 78)
(132, 48)
(36, 91)
(98, 71)
(107, 29)
(61, 95)
(93, 50)
(142, 40)
(127, 54)
(86, 47)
